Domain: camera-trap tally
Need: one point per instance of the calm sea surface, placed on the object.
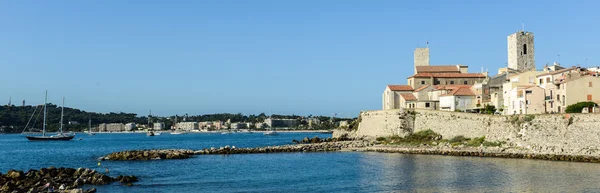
(294, 172)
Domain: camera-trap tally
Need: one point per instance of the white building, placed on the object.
(158, 126)
(461, 99)
(187, 126)
(129, 126)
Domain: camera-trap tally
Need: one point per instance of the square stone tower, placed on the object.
(521, 51)
(421, 57)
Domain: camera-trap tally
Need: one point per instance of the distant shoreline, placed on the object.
(168, 131)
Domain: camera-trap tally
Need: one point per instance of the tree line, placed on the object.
(13, 119)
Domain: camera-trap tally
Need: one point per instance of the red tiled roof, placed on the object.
(448, 75)
(408, 97)
(437, 69)
(400, 87)
(421, 88)
(452, 87)
(460, 92)
(558, 71)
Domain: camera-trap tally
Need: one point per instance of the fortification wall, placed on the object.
(384, 123)
(547, 133)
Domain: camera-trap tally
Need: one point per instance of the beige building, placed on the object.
(573, 89)
(187, 126)
(525, 99)
(130, 126)
(391, 96)
(408, 100)
(111, 127)
(424, 101)
(517, 80)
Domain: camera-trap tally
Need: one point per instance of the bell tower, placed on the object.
(521, 51)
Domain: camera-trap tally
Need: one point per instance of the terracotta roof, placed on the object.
(408, 97)
(421, 88)
(460, 92)
(448, 75)
(451, 87)
(400, 87)
(558, 71)
(437, 69)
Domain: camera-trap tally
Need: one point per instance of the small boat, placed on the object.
(157, 133)
(178, 132)
(58, 137)
(149, 133)
(226, 132)
(271, 133)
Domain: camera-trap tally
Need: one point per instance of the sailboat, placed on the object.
(90, 127)
(58, 137)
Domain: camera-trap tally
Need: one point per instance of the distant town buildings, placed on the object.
(158, 126)
(518, 88)
(280, 122)
(188, 126)
(111, 127)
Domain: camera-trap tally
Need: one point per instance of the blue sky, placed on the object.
(285, 57)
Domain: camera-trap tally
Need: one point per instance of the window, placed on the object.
(520, 94)
(550, 94)
(452, 82)
(590, 84)
(563, 100)
(589, 97)
(548, 80)
(436, 82)
(466, 82)
(524, 49)
(558, 97)
(422, 82)
(551, 104)
(528, 92)
(558, 86)
(541, 81)
(427, 105)
(527, 102)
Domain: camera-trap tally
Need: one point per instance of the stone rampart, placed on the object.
(545, 133)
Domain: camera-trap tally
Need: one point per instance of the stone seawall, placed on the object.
(573, 134)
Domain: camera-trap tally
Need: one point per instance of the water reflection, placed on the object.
(427, 173)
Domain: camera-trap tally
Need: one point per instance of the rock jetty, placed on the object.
(68, 178)
(316, 139)
(150, 154)
(183, 154)
(498, 152)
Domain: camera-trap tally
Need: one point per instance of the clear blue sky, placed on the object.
(302, 57)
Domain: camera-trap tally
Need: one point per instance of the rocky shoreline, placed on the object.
(183, 153)
(68, 178)
(498, 152)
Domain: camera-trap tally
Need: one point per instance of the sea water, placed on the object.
(293, 172)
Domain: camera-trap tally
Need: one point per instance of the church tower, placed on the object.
(421, 57)
(521, 52)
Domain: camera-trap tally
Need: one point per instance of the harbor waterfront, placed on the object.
(334, 171)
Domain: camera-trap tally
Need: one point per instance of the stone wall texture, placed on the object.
(545, 133)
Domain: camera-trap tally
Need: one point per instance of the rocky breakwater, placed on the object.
(499, 152)
(183, 154)
(150, 154)
(67, 178)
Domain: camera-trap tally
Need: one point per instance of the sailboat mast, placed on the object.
(90, 125)
(62, 110)
(44, 125)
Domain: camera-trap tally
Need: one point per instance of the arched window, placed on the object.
(524, 48)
